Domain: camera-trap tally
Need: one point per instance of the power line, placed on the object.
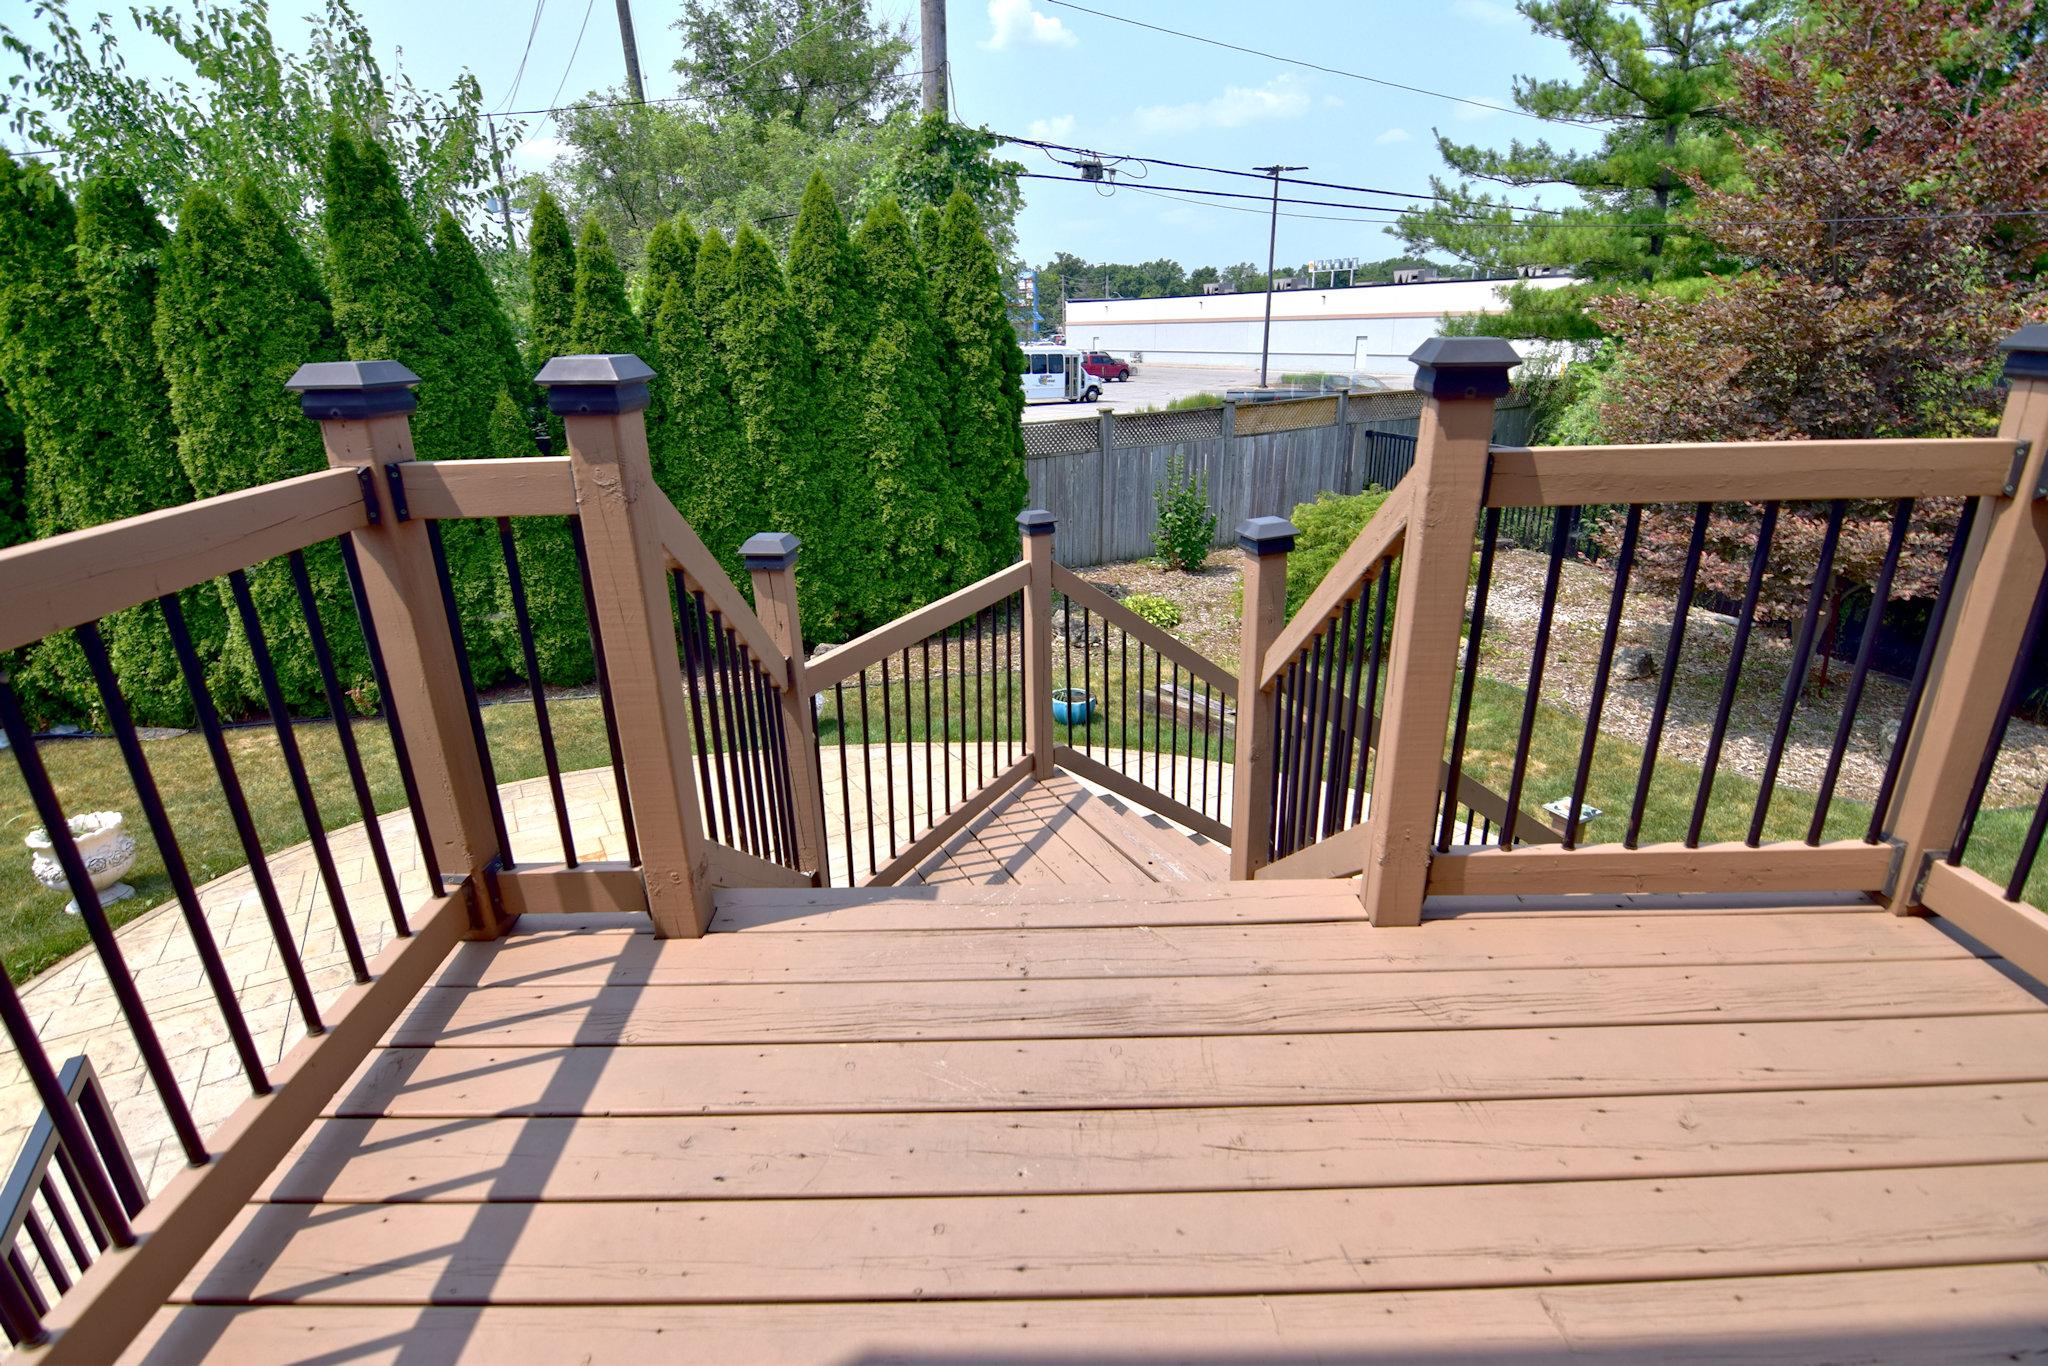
(531, 29)
(587, 7)
(1311, 66)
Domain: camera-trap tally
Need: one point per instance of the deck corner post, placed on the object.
(2001, 572)
(1265, 542)
(600, 400)
(1461, 378)
(1036, 526)
(770, 558)
(362, 408)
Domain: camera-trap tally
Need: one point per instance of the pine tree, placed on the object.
(671, 258)
(551, 262)
(700, 464)
(826, 284)
(923, 529)
(770, 364)
(985, 433)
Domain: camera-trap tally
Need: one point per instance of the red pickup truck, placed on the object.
(1104, 366)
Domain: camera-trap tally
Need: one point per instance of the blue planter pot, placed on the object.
(1072, 707)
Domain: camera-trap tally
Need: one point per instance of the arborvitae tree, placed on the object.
(13, 478)
(547, 569)
(239, 308)
(983, 366)
(671, 258)
(486, 357)
(700, 463)
(826, 283)
(714, 292)
(924, 531)
(928, 229)
(603, 322)
(770, 362)
(551, 262)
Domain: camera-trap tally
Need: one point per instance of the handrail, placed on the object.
(864, 652)
(686, 551)
(1103, 605)
(1749, 471)
(1357, 567)
(60, 581)
(526, 486)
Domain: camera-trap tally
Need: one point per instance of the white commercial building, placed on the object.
(1366, 329)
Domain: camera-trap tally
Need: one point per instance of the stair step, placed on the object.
(1013, 905)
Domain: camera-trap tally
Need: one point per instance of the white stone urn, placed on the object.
(105, 845)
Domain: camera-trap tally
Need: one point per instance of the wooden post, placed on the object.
(2001, 571)
(1461, 377)
(599, 399)
(771, 559)
(1229, 421)
(1037, 525)
(361, 407)
(1265, 542)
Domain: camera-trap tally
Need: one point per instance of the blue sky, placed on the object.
(1038, 69)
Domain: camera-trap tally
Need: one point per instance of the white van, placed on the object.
(1053, 374)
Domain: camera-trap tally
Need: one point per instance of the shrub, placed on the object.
(1327, 527)
(1186, 526)
(1161, 612)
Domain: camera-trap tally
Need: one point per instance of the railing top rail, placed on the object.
(525, 486)
(1356, 568)
(686, 551)
(863, 652)
(1750, 471)
(1114, 612)
(61, 581)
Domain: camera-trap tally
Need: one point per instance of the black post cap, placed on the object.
(1037, 522)
(1463, 367)
(770, 550)
(601, 385)
(351, 390)
(2026, 353)
(1266, 535)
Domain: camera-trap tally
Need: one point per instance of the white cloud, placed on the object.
(1014, 21)
(1473, 112)
(1052, 130)
(1485, 12)
(1393, 135)
(1235, 107)
(542, 150)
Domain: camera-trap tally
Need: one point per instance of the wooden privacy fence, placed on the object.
(1098, 475)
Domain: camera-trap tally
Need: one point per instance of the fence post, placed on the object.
(1229, 419)
(1105, 431)
(770, 558)
(1265, 542)
(2001, 573)
(1037, 527)
(361, 407)
(1461, 377)
(599, 399)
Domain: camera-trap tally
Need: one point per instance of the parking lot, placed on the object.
(1151, 386)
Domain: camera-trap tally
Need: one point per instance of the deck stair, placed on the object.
(1167, 1121)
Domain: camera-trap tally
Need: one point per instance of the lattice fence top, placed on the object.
(1388, 406)
(1188, 424)
(1068, 436)
(1285, 416)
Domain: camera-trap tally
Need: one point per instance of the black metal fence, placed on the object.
(741, 744)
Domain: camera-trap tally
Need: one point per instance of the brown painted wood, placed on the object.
(1449, 476)
(525, 486)
(920, 850)
(864, 652)
(115, 1297)
(588, 888)
(775, 597)
(1973, 903)
(624, 534)
(60, 581)
(576, 956)
(754, 910)
(1749, 471)
(1145, 836)
(1039, 736)
(830, 1012)
(1130, 623)
(732, 867)
(1196, 1243)
(1054, 805)
(1095, 771)
(1301, 1069)
(1848, 865)
(685, 550)
(1946, 1316)
(1347, 579)
(1031, 850)
(1256, 748)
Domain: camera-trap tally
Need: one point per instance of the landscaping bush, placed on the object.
(1161, 612)
(1186, 526)
(1328, 526)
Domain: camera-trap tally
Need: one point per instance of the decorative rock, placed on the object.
(1635, 663)
(105, 845)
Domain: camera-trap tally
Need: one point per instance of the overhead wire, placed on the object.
(587, 7)
(531, 29)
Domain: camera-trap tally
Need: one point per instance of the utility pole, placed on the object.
(1272, 241)
(632, 52)
(932, 30)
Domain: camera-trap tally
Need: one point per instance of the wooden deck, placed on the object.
(1059, 833)
(1161, 1122)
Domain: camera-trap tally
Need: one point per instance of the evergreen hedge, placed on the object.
(759, 337)
(699, 457)
(984, 408)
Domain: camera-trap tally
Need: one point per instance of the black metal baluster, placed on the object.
(46, 1251)
(745, 820)
(604, 692)
(2015, 685)
(1795, 679)
(778, 753)
(1462, 721)
(765, 712)
(1866, 650)
(1624, 564)
(722, 767)
(175, 868)
(295, 770)
(1012, 717)
(1087, 689)
(946, 716)
(867, 772)
(753, 745)
(57, 826)
(888, 757)
(20, 1275)
(1680, 614)
(524, 624)
(982, 719)
(845, 776)
(98, 1199)
(1922, 668)
(429, 859)
(468, 679)
(910, 757)
(1123, 692)
(718, 819)
(1342, 719)
(1759, 564)
(345, 735)
(1276, 832)
(1067, 658)
(238, 810)
(931, 791)
(1370, 719)
(61, 1216)
(2030, 849)
(1360, 718)
(1308, 751)
(1560, 542)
